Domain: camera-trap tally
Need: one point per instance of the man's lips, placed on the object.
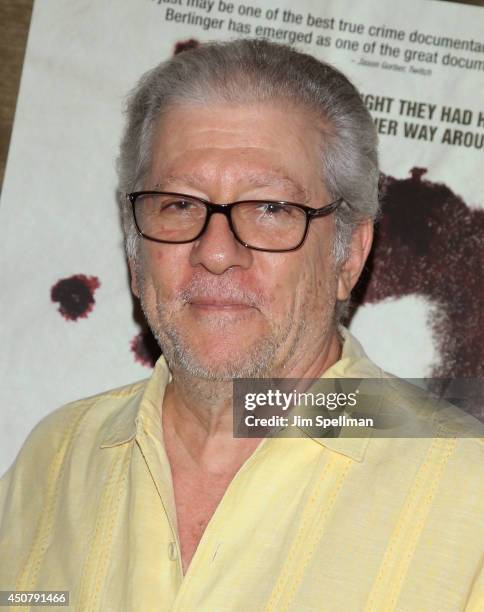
(219, 304)
(209, 303)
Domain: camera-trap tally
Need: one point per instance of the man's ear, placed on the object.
(134, 276)
(359, 248)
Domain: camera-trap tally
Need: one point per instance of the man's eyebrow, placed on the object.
(190, 180)
(276, 179)
(254, 179)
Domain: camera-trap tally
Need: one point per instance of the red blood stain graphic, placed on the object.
(75, 295)
(429, 243)
(184, 45)
(145, 348)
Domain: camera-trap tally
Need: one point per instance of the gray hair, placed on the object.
(248, 71)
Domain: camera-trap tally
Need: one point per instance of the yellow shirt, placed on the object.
(340, 525)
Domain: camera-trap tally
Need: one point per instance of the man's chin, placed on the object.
(220, 361)
(218, 369)
(218, 348)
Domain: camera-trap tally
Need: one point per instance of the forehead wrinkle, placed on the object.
(253, 179)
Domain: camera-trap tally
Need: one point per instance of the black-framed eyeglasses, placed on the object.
(263, 225)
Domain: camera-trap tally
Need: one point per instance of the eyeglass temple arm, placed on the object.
(327, 210)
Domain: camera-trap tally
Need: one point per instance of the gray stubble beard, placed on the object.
(258, 362)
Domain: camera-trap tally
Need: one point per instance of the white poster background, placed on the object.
(58, 209)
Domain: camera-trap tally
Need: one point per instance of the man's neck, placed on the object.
(203, 454)
(198, 413)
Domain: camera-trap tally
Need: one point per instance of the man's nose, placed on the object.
(217, 250)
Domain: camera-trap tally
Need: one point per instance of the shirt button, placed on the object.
(172, 551)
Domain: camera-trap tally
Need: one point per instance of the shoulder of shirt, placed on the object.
(419, 407)
(91, 415)
(433, 416)
(104, 404)
(62, 456)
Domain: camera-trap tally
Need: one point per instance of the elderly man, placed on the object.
(251, 173)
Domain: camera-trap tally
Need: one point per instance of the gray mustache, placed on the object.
(221, 290)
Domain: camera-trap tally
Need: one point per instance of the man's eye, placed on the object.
(176, 206)
(274, 208)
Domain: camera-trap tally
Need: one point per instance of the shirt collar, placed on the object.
(142, 409)
(353, 363)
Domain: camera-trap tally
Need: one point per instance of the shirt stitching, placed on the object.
(445, 452)
(319, 533)
(95, 562)
(413, 505)
(29, 573)
(301, 537)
